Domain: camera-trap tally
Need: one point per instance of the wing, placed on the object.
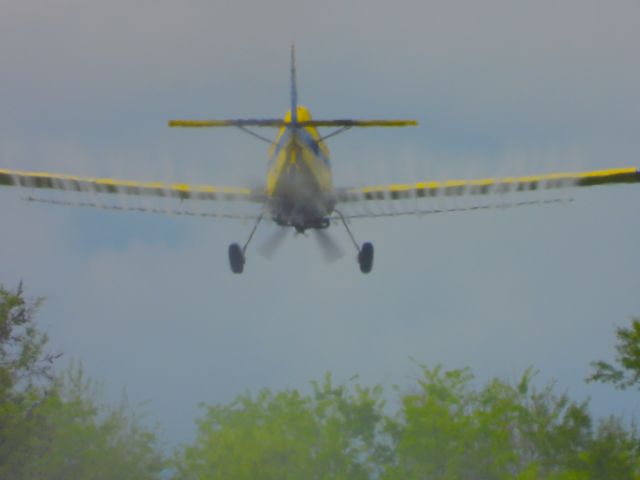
(488, 186)
(52, 181)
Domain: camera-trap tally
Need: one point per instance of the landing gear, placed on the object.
(365, 257)
(236, 258)
(236, 253)
(365, 254)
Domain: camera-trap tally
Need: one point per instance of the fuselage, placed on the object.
(299, 184)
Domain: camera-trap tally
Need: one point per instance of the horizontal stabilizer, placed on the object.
(227, 123)
(359, 123)
(282, 123)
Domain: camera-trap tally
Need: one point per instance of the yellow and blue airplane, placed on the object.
(298, 191)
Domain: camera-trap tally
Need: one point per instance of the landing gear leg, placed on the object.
(365, 254)
(237, 255)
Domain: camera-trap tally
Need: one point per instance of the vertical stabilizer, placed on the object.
(294, 86)
(294, 118)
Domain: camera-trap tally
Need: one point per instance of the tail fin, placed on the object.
(295, 121)
(294, 86)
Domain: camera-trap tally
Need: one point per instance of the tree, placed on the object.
(54, 426)
(447, 429)
(447, 426)
(22, 346)
(26, 369)
(626, 371)
(287, 435)
(82, 438)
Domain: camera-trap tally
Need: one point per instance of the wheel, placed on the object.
(236, 258)
(365, 257)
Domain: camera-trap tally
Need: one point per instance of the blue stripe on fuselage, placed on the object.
(307, 141)
(282, 143)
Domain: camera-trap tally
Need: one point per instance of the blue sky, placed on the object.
(501, 88)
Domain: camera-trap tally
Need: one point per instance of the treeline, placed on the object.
(444, 426)
(55, 426)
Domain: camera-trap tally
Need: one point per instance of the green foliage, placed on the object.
(626, 372)
(449, 430)
(446, 428)
(82, 439)
(328, 435)
(23, 363)
(22, 355)
(54, 427)
(613, 452)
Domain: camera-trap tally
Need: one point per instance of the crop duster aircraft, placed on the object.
(298, 191)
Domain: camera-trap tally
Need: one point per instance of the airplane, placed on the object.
(298, 191)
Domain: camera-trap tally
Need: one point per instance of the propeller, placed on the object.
(269, 247)
(331, 251)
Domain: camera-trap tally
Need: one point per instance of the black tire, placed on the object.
(236, 258)
(365, 257)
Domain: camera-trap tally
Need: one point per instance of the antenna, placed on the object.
(294, 86)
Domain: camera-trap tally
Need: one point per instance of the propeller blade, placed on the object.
(331, 251)
(269, 247)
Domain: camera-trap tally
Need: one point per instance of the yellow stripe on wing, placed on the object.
(490, 185)
(108, 185)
